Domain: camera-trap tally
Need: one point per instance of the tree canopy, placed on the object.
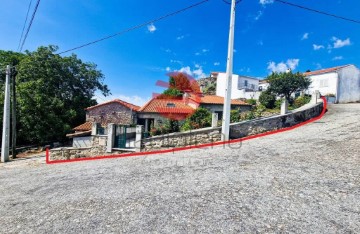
(285, 84)
(52, 92)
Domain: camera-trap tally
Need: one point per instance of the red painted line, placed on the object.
(192, 146)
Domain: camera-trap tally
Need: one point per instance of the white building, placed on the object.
(343, 82)
(242, 86)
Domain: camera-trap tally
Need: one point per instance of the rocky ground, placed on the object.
(305, 180)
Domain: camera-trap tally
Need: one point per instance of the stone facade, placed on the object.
(98, 147)
(252, 127)
(189, 138)
(111, 113)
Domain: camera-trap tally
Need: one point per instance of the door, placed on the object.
(120, 136)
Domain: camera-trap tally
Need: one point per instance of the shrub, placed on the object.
(234, 116)
(201, 118)
(267, 99)
(259, 110)
(302, 100)
(278, 103)
(251, 101)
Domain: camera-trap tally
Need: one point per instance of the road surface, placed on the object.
(305, 180)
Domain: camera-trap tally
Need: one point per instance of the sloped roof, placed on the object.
(176, 106)
(84, 127)
(79, 134)
(327, 70)
(213, 99)
(128, 105)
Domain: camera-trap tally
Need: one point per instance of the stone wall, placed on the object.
(173, 140)
(111, 113)
(237, 130)
(98, 147)
(252, 127)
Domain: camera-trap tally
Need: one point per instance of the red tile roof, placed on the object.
(213, 99)
(84, 127)
(161, 106)
(327, 70)
(128, 105)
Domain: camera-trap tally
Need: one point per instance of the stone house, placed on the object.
(116, 111)
(342, 82)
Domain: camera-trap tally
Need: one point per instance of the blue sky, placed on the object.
(269, 36)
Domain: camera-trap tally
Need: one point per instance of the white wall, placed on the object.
(80, 142)
(325, 83)
(349, 85)
(237, 86)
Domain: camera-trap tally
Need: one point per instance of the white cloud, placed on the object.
(318, 47)
(338, 43)
(151, 28)
(305, 36)
(196, 73)
(205, 50)
(167, 69)
(282, 66)
(265, 2)
(176, 61)
(180, 37)
(235, 51)
(260, 43)
(216, 64)
(168, 51)
(258, 16)
(338, 58)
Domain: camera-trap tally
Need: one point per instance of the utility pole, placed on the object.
(13, 113)
(6, 119)
(228, 80)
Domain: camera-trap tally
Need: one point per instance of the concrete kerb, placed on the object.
(191, 146)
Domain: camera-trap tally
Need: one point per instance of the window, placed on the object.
(246, 83)
(170, 104)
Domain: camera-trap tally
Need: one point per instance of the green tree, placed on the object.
(267, 99)
(285, 84)
(52, 93)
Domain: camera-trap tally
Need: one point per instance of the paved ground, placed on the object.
(304, 181)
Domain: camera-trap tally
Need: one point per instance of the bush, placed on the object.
(302, 100)
(267, 99)
(278, 103)
(234, 116)
(200, 119)
(251, 101)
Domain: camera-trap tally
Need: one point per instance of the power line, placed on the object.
(23, 29)
(30, 23)
(136, 27)
(318, 11)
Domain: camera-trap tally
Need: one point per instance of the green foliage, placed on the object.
(211, 88)
(267, 99)
(278, 103)
(201, 118)
(251, 101)
(300, 101)
(259, 110)
(234, 116)
(285, 84)
(52, 93)
(172, 93)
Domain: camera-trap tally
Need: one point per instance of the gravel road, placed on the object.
(305, 180)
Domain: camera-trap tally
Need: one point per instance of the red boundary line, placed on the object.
(190, 147)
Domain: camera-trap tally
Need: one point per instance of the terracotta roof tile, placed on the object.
(128, 105)
(327, 70)
(84, 127)
(213, 99)
(166, 106)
